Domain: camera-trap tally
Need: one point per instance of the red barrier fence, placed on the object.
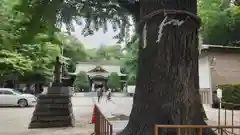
(102, 125)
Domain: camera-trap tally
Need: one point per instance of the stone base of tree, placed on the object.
(53, 110)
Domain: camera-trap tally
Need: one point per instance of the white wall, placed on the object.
(204, 72)
(84, 67)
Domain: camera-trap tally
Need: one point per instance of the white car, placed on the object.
(11, 97)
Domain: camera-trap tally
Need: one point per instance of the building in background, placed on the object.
(99, 72)
(217, 65)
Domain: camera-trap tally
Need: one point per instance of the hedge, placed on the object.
(114, 81)
(231, 96)
(82, 81)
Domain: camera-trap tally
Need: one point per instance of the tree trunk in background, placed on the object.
(167, 89)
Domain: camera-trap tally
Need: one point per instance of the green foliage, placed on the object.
(94, 14)
(218, 32)
(231, 94)
(129, 61)
(235, 29)
(36, 58)
(110, 53)
(82, 81)
(13, 62)
(113, 52)
(72, 49)
(113, 81)
(220, 26)
(43, 56)
(132, 80)
(34, 35)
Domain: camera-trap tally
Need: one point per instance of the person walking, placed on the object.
(99, 94)
(109, 93)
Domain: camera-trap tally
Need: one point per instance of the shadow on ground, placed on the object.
(118, 117)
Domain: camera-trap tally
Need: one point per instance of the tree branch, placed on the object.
(236, 2)
(133, 7)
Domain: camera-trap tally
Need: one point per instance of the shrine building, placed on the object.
(98, 73)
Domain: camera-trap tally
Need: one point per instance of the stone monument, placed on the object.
(54, 109)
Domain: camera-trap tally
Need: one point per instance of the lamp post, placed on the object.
(62, 66)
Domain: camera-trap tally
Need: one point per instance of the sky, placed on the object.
(99, 37)
(94, 41)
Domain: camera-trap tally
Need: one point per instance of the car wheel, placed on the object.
(23, 103)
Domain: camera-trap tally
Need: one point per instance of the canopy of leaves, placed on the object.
(129, 61)
(110, 53)
(13, 62)
(36, 58)
(72, 49)
(220, 22)
(38, 20)
(114, 81)
(43, 56)
(235, 29)
(220, 26)
(95, 14)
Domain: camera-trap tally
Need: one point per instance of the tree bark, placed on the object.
(167, 88)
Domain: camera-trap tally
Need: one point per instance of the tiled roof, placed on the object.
(84, 66)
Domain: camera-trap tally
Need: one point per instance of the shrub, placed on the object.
(114, 81)
(82, 81)
(132, 80)
(231, 95)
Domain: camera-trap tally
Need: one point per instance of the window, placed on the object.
(8, 93)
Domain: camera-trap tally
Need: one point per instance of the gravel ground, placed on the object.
(14, 120)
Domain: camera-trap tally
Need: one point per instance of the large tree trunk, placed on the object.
(167, 89)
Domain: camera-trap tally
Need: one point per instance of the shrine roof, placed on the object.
(101, 62)
(91, 67)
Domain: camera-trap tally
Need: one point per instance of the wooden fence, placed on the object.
(229, 117)
(226, 125)
(102, 125)
(179, 129)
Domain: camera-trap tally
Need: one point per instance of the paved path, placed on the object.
(122, 106)
(113, 107)
(14, 121)
(118, 106)
(212, 114)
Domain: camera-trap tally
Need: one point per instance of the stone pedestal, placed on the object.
(53, 109)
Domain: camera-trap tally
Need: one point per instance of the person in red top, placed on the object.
(99, 93)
